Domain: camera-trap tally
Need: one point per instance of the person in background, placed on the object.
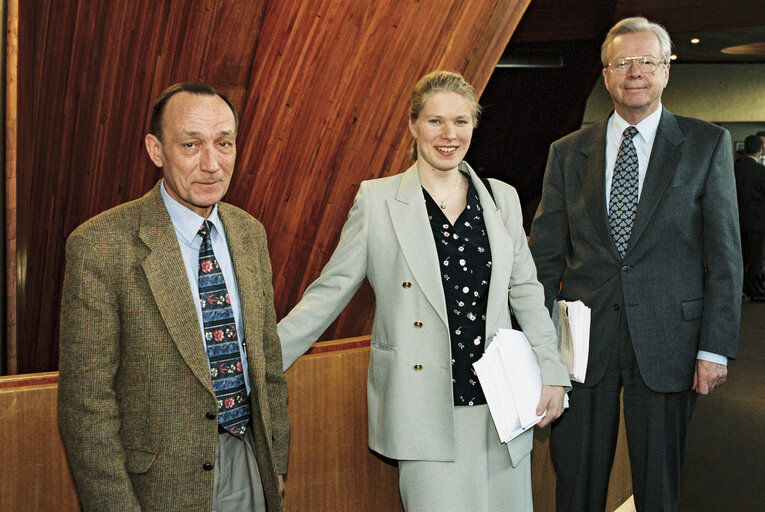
(750, 185)
(761, 158)
(171, 394)
(441, 255)
(638, 220)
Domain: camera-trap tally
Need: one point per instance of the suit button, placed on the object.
(207, 466)
(417, 367)
(210, 415)
(626, 268)
(616, 307)
(406, 284)
(418, 324)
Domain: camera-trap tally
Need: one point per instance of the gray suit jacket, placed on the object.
(750, 184)
(136, 405)
(679, 284)
(388, 240)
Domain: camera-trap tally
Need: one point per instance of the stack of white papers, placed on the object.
(572, 321)
(511, 380)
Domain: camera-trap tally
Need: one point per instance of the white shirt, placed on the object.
(643, 142)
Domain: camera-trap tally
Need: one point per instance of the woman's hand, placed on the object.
(552, 402)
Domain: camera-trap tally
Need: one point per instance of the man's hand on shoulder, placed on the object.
(708, 375)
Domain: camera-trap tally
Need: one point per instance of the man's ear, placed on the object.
(154, 148)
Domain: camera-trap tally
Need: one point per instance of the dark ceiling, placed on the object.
(717, 24)
(720, 45)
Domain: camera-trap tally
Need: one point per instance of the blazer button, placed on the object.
(210, 415)
(616, 307)
(626, 268)
(418, 324)
(406, 284)
(417, 367)
(207, 466)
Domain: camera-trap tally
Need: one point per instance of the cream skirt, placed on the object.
(480, 480)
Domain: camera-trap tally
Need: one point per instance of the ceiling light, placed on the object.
(745, 49)
(695, 40)
(673, 57)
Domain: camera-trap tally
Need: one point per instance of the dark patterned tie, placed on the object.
(222, 341)
(622, 204)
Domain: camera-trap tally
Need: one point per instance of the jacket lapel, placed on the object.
(250, 286)
(592, 178)
(169, 284)
(666, 156)
(410, 223)
(501, 252)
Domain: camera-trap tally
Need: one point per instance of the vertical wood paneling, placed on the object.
(321, 87)
(88, 72)
(11, 124)
(36, 474)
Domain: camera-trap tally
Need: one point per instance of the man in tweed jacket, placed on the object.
(136, 405)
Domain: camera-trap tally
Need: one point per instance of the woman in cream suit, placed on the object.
(443, 257)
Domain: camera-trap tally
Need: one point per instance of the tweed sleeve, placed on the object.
(276, 382)
(89, 359)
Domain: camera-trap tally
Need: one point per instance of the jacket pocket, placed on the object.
(138, 461)
(693, 309)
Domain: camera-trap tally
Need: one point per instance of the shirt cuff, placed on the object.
(714, 358)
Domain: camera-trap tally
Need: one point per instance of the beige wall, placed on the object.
(720, 93)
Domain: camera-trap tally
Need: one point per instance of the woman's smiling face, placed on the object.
(443, 130)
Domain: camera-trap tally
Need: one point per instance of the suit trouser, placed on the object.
(237, 486)
(583, 440)
(753, 245)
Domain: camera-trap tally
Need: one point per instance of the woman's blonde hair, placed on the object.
(440, 81)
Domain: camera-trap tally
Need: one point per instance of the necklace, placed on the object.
(442, 202)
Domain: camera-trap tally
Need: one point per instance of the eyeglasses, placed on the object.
(646, 64)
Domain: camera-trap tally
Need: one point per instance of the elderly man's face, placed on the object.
(197, 151)
(636, 94)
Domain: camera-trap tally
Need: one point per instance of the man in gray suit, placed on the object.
(638, 220)
(750, 184)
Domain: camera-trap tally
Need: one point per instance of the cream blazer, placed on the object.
(388, 240)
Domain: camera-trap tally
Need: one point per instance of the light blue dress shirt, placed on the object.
(187, 224)
(643, 145)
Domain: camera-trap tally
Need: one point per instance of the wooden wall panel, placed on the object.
(326, 109)
(35, 471)
(330, 465)
(88, 71)
(321, 87)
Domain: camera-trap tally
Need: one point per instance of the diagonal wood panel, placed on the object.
(326, 109)
(321, 87)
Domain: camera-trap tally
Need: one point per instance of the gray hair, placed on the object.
(635, 25)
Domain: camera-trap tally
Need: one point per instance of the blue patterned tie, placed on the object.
(222, 341)
(622, 204)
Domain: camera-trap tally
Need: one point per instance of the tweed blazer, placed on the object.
(679, 283)
(136, 406)
(388, 240)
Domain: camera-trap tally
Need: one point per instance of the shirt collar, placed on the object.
(185, 221)
(646, 128)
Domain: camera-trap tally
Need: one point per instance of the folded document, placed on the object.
(512, 383)
(572, 321)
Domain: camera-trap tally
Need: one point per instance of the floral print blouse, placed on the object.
(465, 261)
